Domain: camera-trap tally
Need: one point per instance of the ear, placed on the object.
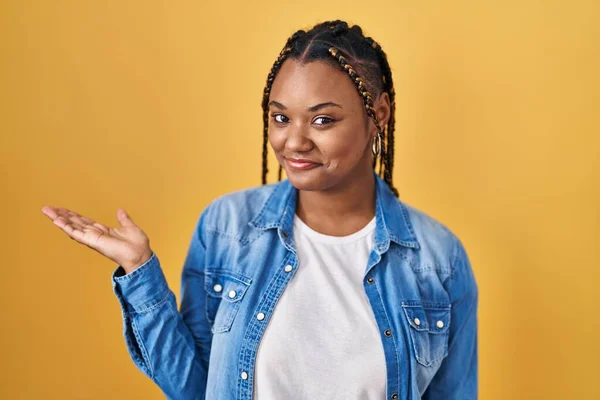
(382, 108)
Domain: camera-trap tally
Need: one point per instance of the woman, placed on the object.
(322, 286)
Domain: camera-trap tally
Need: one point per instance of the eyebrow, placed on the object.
(311, 109)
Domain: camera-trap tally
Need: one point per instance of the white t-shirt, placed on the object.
(322, 341)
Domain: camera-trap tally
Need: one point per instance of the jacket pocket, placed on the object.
(225, 291)
(429, 330)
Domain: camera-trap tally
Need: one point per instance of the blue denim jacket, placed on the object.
(418, 280)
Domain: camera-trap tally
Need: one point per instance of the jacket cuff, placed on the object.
(143, 288)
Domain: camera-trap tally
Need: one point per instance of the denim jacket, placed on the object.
(418, 281)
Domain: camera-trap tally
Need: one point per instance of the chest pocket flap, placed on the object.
(225, 291)
(429, 329)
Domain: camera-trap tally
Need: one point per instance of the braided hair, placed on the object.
(365, 62)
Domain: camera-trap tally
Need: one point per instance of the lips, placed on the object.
(301, 164)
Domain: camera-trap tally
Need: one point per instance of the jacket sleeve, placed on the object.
(457, 377)
(171, 347)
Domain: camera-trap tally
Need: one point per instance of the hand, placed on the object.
(126, 245)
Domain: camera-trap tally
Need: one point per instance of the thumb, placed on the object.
(124, 218)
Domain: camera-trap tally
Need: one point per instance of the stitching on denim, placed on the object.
(393, 336)
(254, 221)
(400, 253)
(413, 334)
(444, 353)
(240, 238)
(132, 344)
(224, 234)
(267, 202)
(430, 267)
(156, 305)
(232, 307)
(410, 319)
(271, 225)
(142, 347)
(412, 244)
(137, 271)
(232, 310)
(251, 238)
(256, 328)
(236, 276)
(407, 222)
(415, 331)
(417, 267)
(265, 205)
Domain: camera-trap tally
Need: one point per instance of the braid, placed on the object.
(387, 156)
(265, 101)
(359, 83)
(384, 163)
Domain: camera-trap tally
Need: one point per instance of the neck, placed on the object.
(339, 211)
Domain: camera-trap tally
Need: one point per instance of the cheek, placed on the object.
(276, 139)
(343, 147)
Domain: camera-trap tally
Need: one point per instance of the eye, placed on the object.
(323, 120)
(280, 118)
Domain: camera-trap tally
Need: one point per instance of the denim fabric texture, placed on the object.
(418, 281)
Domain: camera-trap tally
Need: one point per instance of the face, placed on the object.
(318, 126)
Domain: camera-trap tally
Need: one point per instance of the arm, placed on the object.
(457, 377)
(172, 348)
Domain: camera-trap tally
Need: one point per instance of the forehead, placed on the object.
(312, 83)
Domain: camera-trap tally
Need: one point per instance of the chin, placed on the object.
(305, 180)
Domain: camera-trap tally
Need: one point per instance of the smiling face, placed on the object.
(318, 126)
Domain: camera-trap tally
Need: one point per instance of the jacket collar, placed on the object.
(391, 216)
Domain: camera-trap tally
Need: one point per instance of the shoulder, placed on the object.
(230, 213)
(246, 201)
(440, 246)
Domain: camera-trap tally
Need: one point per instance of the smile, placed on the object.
(301, 164)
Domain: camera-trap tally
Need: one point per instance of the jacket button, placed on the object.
(232, 294)
(440, 324)
(394, 396)
(260, 316)
(284, 234)
(244, 375)
(217, 288)
(288, 268)
(370, 279)
(417, 321)
(388, 333)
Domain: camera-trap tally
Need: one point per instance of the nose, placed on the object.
(298, 139)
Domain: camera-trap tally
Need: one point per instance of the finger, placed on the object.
(50, 212)
(72, 231)
(87, 220)
(80, 220)
(60, 221)
(77, 235)
(79, 226)
(98, 225)
(55, 212)
(71, 215)
(65, 223)
(124, 218)
(61, 211)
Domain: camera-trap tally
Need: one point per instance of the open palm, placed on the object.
(126, 245)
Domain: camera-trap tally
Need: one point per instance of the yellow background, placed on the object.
(155, 107)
